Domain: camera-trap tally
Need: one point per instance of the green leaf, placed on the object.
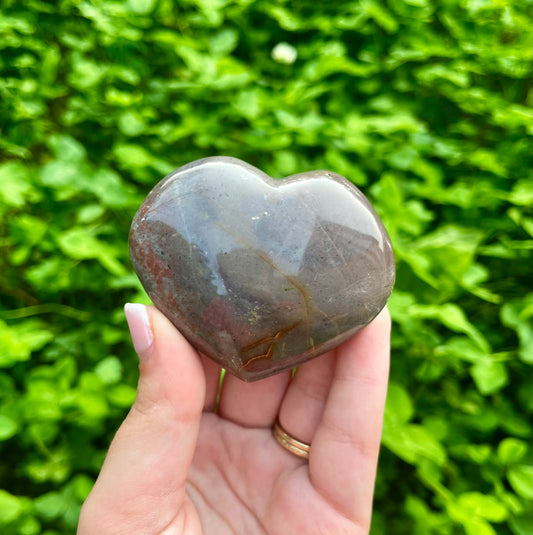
(380, 14)
(463, 348)
(132, 156)
(8, 427)
(224, 42)
(67, 149)
(89, 402)
(489, 375)
(15, 186)
(386, 125)
(141, 7)
(454, 319)
(62, 174)
(29, 526)
(482, 505)
(229, 74)
(488, 161)
(399, 407)
(121, 395)
(110, 189)
(109, 370)
(55, 468)
(478, 526)
(85, 73)
(28, 230)
(522, 525)
(20, 340)
(518, 314)
(521, 479)
(511, 450)
(80, 244)
(10, 507)
(50, 505)
(403, 158)
(431, 73)
(412, 443)
(521, 193)
(82, 486)
(131, 123)
(468, 511)
(89, 213)
(248, 103)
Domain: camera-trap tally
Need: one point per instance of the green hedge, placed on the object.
(424, 104)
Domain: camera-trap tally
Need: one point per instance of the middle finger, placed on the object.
(253, 404)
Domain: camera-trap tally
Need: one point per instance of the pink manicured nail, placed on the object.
(140, 330)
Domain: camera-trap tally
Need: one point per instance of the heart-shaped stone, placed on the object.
(261, 274)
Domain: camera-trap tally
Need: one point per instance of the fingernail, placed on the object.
(140, 330)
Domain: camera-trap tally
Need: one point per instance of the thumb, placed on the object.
(141, 487)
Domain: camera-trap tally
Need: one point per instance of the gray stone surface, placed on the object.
(261, 274)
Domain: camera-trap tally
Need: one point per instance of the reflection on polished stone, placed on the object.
(261, 274)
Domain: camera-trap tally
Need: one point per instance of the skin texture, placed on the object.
(177, 467)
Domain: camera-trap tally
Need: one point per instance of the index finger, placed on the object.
(344, 453)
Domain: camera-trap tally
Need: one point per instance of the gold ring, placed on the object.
(295, 446)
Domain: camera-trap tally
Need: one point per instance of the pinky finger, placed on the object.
(345, 449)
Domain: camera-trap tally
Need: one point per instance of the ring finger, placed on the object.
(302, 407)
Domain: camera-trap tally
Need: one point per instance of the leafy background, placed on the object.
(425, 105)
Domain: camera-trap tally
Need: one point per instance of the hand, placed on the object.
(177, 467)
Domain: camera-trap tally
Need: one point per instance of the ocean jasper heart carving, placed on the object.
(261, 274)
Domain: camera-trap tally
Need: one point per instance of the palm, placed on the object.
(178, 467)
(248, 484)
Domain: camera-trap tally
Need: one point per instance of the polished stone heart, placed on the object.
(261, 274)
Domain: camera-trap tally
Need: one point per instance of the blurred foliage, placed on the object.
(424, 104)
